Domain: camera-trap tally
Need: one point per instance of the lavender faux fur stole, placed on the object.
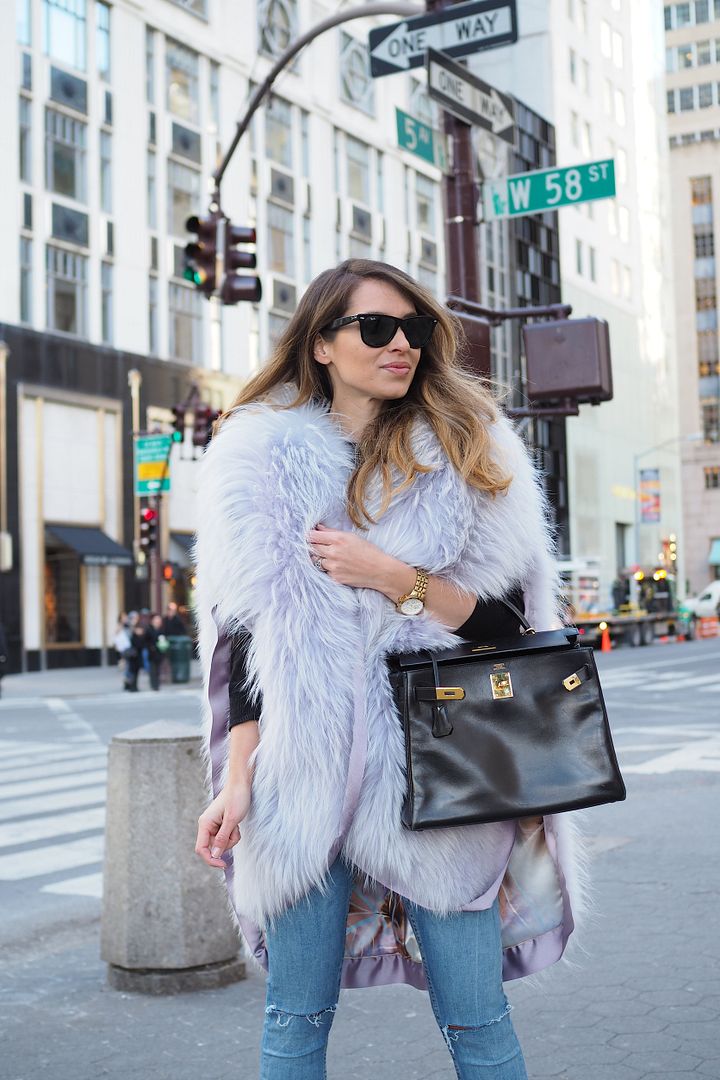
(318, 648)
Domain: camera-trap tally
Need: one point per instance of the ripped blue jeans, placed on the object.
(463, 963)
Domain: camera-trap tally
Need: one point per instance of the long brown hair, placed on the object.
(456, 404)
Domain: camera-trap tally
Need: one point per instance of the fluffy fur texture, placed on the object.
(318, 648)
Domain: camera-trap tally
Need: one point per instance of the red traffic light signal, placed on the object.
(239, 287)
(201, 254)
(168, 571)
(148, 528)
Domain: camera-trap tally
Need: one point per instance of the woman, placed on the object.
(361, 464)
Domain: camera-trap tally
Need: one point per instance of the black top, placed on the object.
(489, 619)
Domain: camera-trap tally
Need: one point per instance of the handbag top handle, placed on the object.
(526, 627)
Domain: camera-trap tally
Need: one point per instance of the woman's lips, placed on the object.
(397, 369)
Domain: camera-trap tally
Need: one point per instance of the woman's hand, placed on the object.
(218, 825)
(350, 560)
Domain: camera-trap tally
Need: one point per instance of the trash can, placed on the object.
(180, 654)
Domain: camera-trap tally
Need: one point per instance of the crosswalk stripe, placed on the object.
(51, 859)
(34, 757)
(55, 783)
(38, 771)
(45, 828)
(85, 885)
(46, 804)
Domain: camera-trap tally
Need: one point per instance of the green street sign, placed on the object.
(420, 139)
(546, 189)
(151, 455)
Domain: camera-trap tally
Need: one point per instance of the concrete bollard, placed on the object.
(166, 925)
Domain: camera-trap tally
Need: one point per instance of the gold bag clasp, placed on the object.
(501, 685)
(572, 682)
(449, 693)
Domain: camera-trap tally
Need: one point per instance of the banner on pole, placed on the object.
(649, 496)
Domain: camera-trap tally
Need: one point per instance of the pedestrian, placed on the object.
(172, 624)
(134, 656)
(365, 497)
(122, 642)
(157, 646)
(4, 658)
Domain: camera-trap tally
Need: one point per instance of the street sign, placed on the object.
(546, 189)
(468, 97)
(420, 139)
(151, 455)
(457, 31)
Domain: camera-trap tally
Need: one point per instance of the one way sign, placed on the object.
(456, 31)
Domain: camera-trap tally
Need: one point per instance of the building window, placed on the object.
(27, 210)
(624, 224)
(358, 170)
(307, 248)
(620, 107)
(356, 84)
(278, 133)
(63, 623)
(66, 291)
(181, 70)
(215, 96)
(153, 316)
(605, 39)
(23, 22)
(106, 303)
(64, 31)
(711, 422)
(682, 15)
(705, 95)
(196, 7)
(627, 282)
(149, 65)
(277, 25)
(671, 101)
(281, 240)
(25, 279)
(712, 477)
(575, 129)
(185, 323)
(573, 66)
(702, 13)
(183, 196)
(617, 49)
(585, 84)
(704, 243)
(425, 203)
(668, 17)
(106, 172)
(615, 277)
(102, 39)
(25, 133)
(704, 53)
(152, 189)
(687, 98)
(592, 264)
(65, 155)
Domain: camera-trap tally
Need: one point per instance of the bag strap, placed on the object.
(526, 627)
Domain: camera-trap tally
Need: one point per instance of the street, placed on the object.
(640, 997)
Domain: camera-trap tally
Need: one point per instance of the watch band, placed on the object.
(418, 589)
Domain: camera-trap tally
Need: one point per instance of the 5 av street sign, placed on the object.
(546, 189)
(468, 97)
(420, 139)
(456, 31)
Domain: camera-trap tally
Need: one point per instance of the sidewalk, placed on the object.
(80, 682)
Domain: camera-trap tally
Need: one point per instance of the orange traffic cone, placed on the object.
(605, 643)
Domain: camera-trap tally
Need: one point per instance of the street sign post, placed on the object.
(457, 31)
(151, 455)
(547, 189)
(420, 139)
(469, 98)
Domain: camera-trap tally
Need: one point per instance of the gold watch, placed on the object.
(413, 603)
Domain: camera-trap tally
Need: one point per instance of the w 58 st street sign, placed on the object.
(457, 31)
(546, 189)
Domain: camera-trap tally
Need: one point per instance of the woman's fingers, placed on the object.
(206, 843)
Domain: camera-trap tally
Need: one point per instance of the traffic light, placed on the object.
(148, 528)
(178, 423)
(205, 417)
(237, 287)
(168, 571)
(201, 254)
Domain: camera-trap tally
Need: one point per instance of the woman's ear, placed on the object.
(320, 350)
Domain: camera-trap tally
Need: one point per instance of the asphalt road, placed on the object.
(640, 998)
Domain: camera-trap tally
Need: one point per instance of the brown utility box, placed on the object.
(568, 358)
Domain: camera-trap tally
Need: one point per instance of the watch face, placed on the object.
(413, 606)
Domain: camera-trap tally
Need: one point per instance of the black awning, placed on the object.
(94, 547)
(183, 540)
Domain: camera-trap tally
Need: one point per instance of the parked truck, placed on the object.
(643, 607)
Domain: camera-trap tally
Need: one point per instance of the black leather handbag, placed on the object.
(507, 729)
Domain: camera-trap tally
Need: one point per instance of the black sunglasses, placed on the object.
(379, 330)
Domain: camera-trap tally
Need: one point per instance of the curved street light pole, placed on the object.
(404, 10)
